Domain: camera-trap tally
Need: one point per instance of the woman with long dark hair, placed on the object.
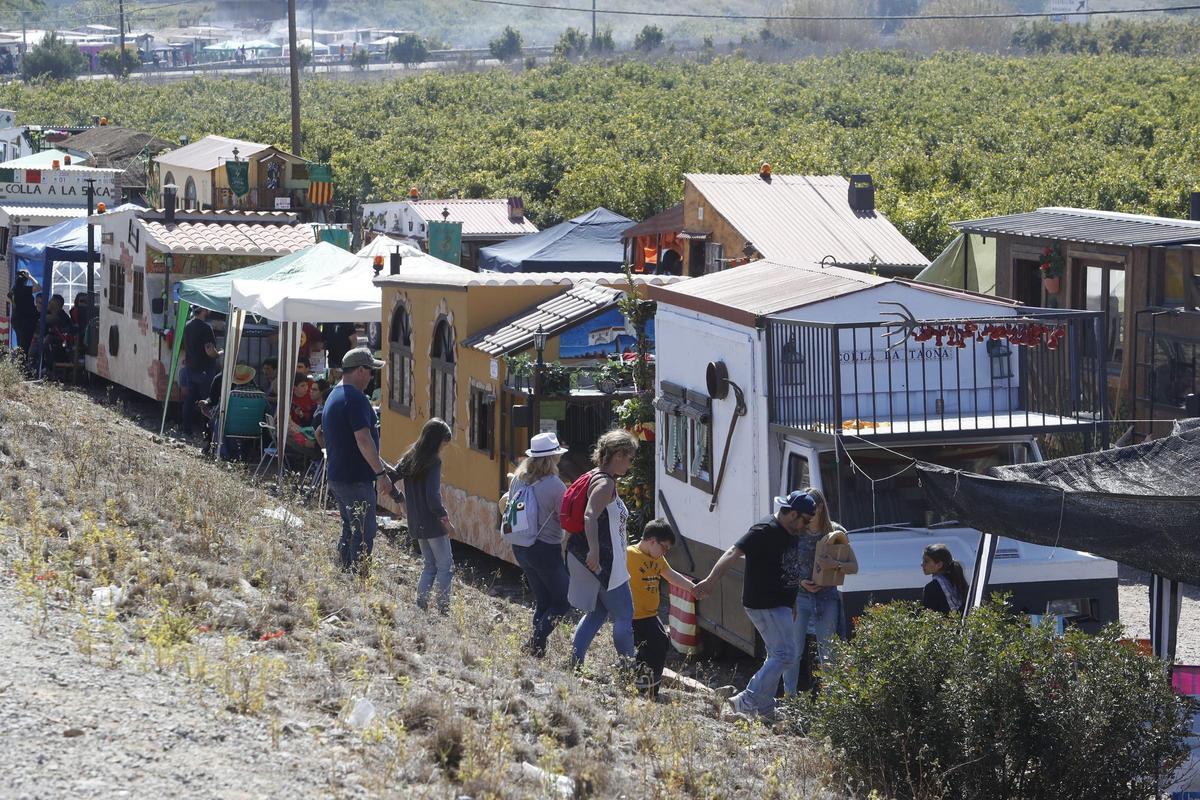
(947, 592)
(428, 522)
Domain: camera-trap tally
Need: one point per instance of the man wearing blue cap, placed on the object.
(770, 584)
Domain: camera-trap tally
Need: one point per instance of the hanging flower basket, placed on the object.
(1051, 267)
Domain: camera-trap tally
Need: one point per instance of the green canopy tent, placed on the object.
(968, 262)
(213, 291)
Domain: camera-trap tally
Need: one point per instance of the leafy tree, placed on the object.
(52, 59)
(119, 63)
(508, 46)
(410, 49)
(360, 58)
(572, 44)
(303, 56)
(603, 42)
(650, 38)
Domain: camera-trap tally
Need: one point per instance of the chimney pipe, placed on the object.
(169, 191)
(394, 266)
(1194, 210)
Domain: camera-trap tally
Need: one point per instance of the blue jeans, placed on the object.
(194, 386)
(822, 608)
(777, 629)
(546, 573)
(615, 603)
(356, 504)
(439, 567)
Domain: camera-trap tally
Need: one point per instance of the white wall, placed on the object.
(684, 344)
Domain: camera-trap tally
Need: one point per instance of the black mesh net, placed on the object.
(1138, 505)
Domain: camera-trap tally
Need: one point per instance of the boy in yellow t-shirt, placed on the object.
(647, 564)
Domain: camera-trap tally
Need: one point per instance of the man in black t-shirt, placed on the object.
(195, 379)
(771, 581)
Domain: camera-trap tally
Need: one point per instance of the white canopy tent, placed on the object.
(346, 295)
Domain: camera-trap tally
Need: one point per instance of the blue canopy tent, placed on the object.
(587, 243)
(58, 256)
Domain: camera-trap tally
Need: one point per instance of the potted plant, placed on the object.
(556, 378)
(610, 375)
(1052, 268)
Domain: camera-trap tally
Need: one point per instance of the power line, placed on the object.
(832, 18)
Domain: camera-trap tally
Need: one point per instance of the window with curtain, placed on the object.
(189, 194)
(441, 384)
(139, 292)
(116, 286)
(400, 361)
(483, 413)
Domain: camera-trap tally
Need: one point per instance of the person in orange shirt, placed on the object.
(647, 566)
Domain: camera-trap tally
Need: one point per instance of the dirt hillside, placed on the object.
(164, 636)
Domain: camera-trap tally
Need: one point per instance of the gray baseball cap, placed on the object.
(361, 357)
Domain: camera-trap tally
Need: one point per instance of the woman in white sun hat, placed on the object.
(530, 523)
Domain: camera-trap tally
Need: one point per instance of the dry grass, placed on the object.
(257, 610)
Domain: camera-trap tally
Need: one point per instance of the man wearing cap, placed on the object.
(770, 584)
(355, 471)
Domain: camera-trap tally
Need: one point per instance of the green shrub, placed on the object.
(410, 49)
(118, 66)
(572, 44)
(915, 708)
(508, 46)
(649, 39)
(360, 58)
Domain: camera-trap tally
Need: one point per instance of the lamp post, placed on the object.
(92, 311)
(539, 344)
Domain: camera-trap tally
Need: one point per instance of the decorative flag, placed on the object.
(238, 173)
(445, 241)
(320, 193)
(7, 175)
(33, 176)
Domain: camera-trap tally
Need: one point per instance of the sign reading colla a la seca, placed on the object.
(59, 188)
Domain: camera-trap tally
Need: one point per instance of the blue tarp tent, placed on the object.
(57, 258)
(588, 243)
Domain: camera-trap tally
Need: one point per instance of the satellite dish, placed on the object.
(716, 378)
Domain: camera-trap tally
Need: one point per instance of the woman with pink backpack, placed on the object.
(594, 519)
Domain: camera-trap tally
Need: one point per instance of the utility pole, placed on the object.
(294, 71)
(312, 34)
(593, 23)
(88, 335)
(121, 22)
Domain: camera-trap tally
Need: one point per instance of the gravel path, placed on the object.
(70, 728)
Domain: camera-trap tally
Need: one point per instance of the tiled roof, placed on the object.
(235, 239)
(552, 316)
(480, 217)
(460, 277)
(1086, 225)
(209, 153)
(801, 219)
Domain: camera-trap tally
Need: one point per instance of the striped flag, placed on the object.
(1166, 599)
(982, 573)
(320, 193)
(685, 635)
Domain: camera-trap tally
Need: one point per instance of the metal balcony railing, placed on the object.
(260, 199)
(1036, 372)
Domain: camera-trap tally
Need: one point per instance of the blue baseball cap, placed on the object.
(798, 501)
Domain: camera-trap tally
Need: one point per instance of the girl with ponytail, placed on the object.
(947, 592)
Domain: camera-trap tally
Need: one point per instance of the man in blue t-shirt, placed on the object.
(354, 469)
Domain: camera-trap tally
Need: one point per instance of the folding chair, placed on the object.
(270, 454)
(243, 419)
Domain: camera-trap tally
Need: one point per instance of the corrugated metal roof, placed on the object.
(236, 239)
(552, 316)
(209, 153)
(38, 215)
(1088, 226)
(479, 217)
(463, 278)
(801, 219)
(759, 288)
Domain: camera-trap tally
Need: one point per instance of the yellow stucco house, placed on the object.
(447, 334)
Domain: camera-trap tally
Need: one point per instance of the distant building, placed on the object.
(484, 222)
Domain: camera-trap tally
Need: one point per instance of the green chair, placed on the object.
(242, 416)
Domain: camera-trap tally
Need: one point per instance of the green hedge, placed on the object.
(917, 709)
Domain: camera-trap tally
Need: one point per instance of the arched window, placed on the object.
(169, 180)
(400, 360)
(441, 383)
(189, 194)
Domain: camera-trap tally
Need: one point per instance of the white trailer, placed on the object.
(828, 403)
